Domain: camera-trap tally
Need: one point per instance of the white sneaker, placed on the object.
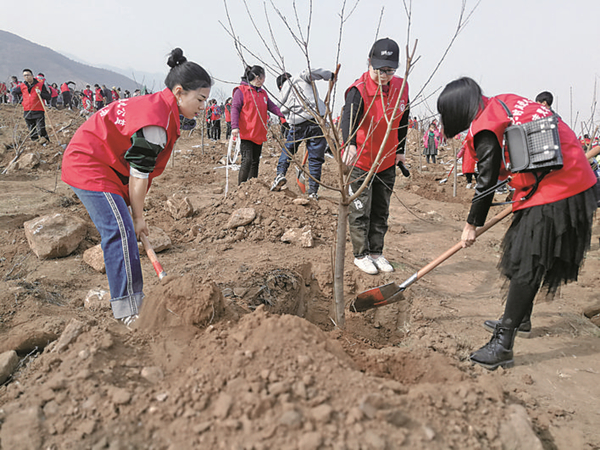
(366, 265)
(278, 182)
(468, 185)
(381, 263)
(129, 320)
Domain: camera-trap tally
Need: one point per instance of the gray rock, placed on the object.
(159, 240)
(241, 217)
(180, 207)
(153, 374)
(97, 299)
(72, 330)
(516, 431)
(8, 363)
(299, 236)
(222, 405)
(94, 257)
(23, 430)
(55, 235)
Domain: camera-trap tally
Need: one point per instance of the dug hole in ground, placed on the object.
(238, 350)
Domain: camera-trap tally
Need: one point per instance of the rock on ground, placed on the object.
(55, 235)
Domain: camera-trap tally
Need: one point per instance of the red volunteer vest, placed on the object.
(253, 120)
(576, 174)
(99, 96)
(88, 93)
(227, 113)
(97, 150)
(372, 130)
(215, 113)
(31, 101)
(64, 88)
(53, 91)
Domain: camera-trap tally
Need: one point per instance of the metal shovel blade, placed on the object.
(377, 296)
(301, 180)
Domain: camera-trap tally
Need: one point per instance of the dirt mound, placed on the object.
(184, 300)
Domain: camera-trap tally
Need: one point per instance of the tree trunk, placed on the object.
(338, 276)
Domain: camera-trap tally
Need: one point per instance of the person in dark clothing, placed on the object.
(107, 94)
(552, 212)
(370, 104)
(33, 109)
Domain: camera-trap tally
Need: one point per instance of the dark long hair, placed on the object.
(250, 73)
(458, 105)
(186, 73)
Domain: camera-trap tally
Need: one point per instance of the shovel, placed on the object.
(64, 146)
(153, 259)
(300, 175)
(447, 176)
(392, 293)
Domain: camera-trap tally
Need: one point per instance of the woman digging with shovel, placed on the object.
(111, 162)
(553, 208)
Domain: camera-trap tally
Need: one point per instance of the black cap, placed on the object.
(384, 53)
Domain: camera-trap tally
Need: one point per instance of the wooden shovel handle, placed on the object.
(152, 256)
(451, 251)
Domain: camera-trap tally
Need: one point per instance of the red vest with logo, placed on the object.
(576, 174)
(373, 127)
(215, 112)
(254, 119)
(96, 152)
(31, 100)
(88, 93)
(99, 96)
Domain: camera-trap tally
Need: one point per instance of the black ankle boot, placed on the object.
(524, 330)
(498, 352)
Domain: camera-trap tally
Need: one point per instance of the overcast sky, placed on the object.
(508, 46)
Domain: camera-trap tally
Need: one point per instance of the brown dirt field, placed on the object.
(239, 351)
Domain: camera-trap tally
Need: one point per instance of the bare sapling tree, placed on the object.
(392, 111)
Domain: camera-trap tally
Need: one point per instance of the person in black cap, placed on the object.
(370, 104)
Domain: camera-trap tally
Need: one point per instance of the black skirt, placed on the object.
(545, 245)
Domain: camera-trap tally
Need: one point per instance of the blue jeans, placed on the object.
(316, 144)
(111, 216)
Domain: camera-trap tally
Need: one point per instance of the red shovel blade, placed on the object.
(377, 296)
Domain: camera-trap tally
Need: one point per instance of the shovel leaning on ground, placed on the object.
(300, 175)
(392, 293)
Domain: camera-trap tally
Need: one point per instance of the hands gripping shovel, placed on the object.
(392, 293)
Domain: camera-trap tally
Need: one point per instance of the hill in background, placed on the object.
(17, 53)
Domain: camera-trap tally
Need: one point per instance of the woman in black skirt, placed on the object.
(551, 228)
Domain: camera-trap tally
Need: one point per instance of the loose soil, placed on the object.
(240, 350)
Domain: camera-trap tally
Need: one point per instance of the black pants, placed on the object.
(470, 177)
(370, 211)
(99, 105)
(216, 129)
(66, 99)
(36, 124)
(250, 159)
(228, 130)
